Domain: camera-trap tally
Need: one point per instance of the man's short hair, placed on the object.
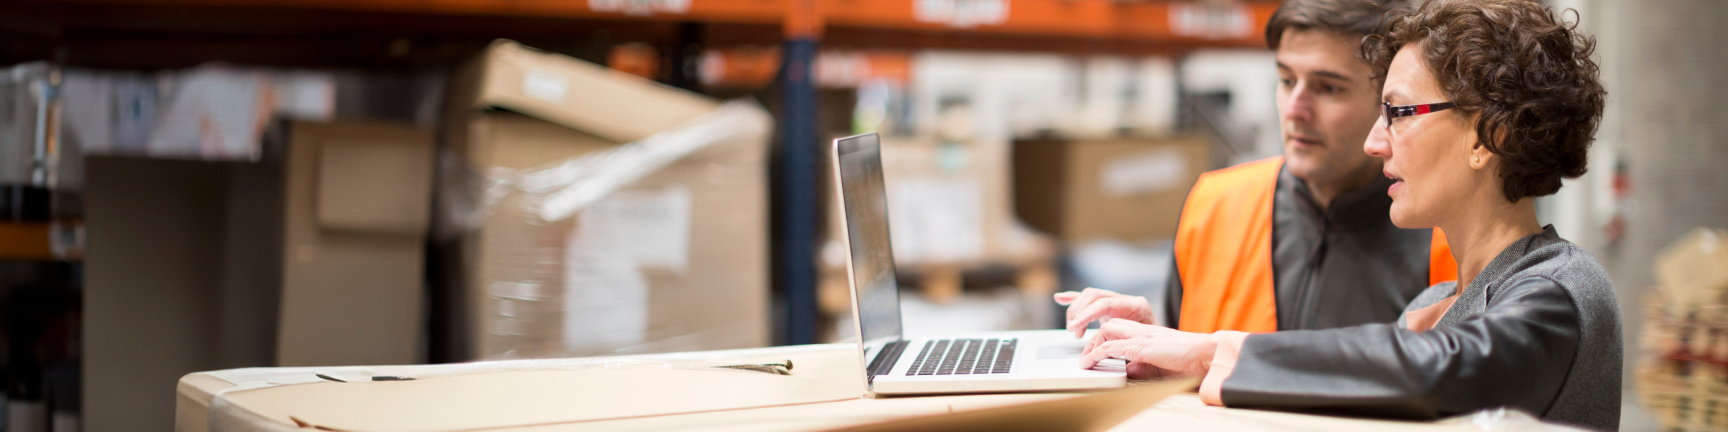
(1350, 17)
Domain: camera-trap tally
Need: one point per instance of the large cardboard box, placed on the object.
(1128, 190)
(358, 204)
(668, 251)
(312, 256)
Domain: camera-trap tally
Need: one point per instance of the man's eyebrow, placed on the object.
(1333, 75)
(1320, 73)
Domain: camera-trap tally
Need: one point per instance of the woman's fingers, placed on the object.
(1066, 297)
(1080, 302)
(1097, 353)
(1118, 328)
(1102, 309)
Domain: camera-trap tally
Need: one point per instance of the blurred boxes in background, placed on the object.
(949, 211)
(1683, 375)
(586, 211)
(1122, 189)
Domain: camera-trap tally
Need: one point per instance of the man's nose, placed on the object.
(1299, 107)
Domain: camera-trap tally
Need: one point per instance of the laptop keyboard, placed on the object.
(964, 357)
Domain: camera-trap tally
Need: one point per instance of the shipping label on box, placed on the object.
(651, 228)
(1154, 171)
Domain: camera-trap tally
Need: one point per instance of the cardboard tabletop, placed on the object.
(657, 392)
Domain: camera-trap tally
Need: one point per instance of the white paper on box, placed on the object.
(545, 85)
(1143, 173)
(306, 95)
(651, 227)
(605, 301)
(936, 219)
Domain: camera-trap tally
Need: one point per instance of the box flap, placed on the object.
(375, 185)
(580, 95)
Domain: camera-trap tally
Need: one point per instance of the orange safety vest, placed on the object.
(1224, 251)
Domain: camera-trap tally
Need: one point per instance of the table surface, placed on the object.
(265, 399)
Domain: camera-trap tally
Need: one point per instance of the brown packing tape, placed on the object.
(1094, 412)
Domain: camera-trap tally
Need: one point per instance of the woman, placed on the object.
(1489, 103)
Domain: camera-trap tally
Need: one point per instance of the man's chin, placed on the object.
(1301, 163)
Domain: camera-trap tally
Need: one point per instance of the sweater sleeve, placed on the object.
(1516, 353)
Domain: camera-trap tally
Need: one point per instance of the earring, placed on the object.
(1478, 159)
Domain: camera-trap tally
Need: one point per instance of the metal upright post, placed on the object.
(798, 195)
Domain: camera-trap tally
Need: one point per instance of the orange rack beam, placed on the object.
(1205, 23)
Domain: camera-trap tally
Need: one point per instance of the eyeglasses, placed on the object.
(1394, 112)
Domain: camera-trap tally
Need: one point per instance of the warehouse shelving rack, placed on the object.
(149, 34)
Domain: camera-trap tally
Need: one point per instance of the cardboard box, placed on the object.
(212, 265)
(162, 297)
(1693, 271)
(1129, 190)
(667, 254)
(358, 205)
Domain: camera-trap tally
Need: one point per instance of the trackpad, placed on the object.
(1061, 351)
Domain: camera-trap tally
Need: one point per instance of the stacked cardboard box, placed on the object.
(358, 204)
(596, 212)
(1128, 190)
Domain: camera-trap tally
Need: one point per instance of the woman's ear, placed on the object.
(1478, 152)
(1480, 156)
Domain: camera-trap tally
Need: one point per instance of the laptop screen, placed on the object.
(866, 216)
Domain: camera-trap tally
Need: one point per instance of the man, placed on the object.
(1299, 241)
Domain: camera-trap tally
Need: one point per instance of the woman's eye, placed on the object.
(1286, 82)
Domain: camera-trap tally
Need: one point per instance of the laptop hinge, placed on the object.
(885, 359)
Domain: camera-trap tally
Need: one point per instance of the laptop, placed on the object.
(1007, 361)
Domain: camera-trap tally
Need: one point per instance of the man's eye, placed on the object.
(1287, 82)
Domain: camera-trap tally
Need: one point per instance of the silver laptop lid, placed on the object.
(864, 202)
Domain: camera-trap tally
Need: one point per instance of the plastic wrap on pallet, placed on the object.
(566, 256)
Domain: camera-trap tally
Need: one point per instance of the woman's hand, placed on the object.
(1101, 305)
(1151, 351)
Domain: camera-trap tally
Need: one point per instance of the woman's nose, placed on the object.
(1379, 144)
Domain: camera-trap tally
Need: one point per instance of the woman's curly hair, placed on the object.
(1525, 71)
